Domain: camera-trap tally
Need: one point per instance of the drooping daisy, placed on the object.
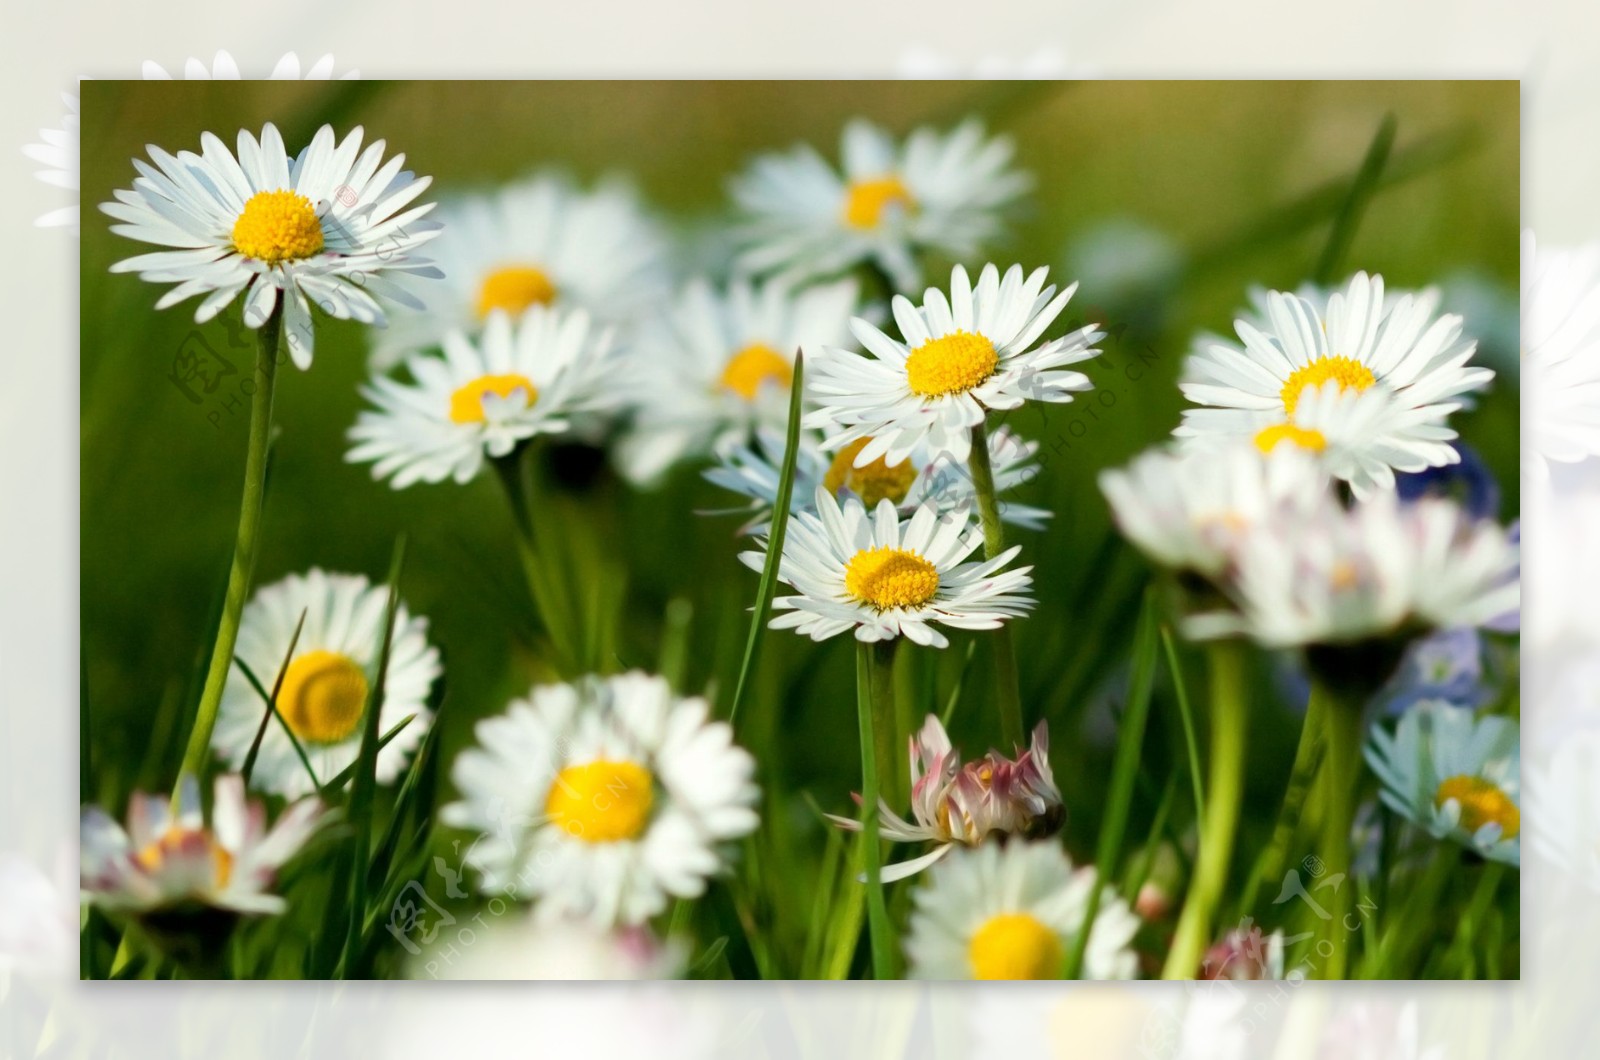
(324, 693)
(1454, 775)
(1561, 353)
(169, 858)
(882, 576)
(522, 947)
(538, 241)
(954, 804)
(481, 397)
(603, 798)
(323, 227)
(957, 359)
(943, 193)
(718, 366)
(1012, 911)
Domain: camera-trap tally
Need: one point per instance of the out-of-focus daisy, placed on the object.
(1561, 353)
(942, 193)
(1564, 807)
(168, 858)
(482, 397)
(718, 366)
(1445, 665)
(954, 804)
(527, 947)
(1454, 775)
(324, 693)
(1359, 340)
(1245, 954)
(539, 241)
(326, 226)
(957, 359)
(603, 798)
(1012, 911)
(883, 576)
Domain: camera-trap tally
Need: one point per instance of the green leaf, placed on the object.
(269, 698)
(272, 703)
(1355, 203)
(1186, 715)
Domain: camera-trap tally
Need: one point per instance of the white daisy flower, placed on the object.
(941, 193)
(324, 691)
(168, 857)
(1012, 911)
(324, 227)
(1357, 340)
(959, 358)
(883, 576)
(1454, 775)
(1561, 353)
(484, 397)
(718, 366)
(525, 947)
(538, 241)
(603, 798)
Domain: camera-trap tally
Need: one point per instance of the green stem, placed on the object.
(874, 693)
(1307, 757)
(515, 471)
(994, 543)
(244, 548)
(1224, 788)
(1340, 768)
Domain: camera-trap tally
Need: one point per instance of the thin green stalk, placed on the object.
(874, 688)
(1355, 203)
(1340, 768)
(1007, 692)
(1224, 785)
(1186, 715)
(1307, 759)
(244, 547)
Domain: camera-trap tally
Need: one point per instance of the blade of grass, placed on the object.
(868, 696)
(1139, 871)
(267, 698)
(272, 701)
(1186, 715)
(341, 778)
(955, 690)
(1355, 203)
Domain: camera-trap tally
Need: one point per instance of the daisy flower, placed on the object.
(958, 358)
(883, 576)
(1454, 775)
(325, 226)
(532, 948)
(169, 858)
(603, 798)
(939, 193)
(483, 397)
(223, 68)
(325, 687)
(538, 241)
(1561, 353)
(1012, 911)
(718, 366)
(1358, 340)
(954, 804)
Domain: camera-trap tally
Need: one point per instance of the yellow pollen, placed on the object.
(873, 483)
(753, 367)
(1015, 946)
(514, 288)
(1308, 438)
(277, 226)
(601, 801)
(1481, 803)
(865, 200)
(951, 364)
(171, 843)
(466, 404)
(890, 577)
(1344, 575)
(323, 696)
(1348, 372)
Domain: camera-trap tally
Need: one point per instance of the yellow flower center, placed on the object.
(951, 364)
(873, 483)
(601, 802)
(1348, 372)
(1482, 802)
(865, 200)
(277, 226)
(323, 696)
(174, 842)
(890, 577)
(1015, 946)
(514, 288)
(1308, 438)
(753, 367)
(466, 404)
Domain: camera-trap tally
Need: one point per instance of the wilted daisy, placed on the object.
(718, 366)
(957, 359)
(883, 576)
(323, 227)
(1013, 911)
(1561, 353)
(523, 947)
(482, 397)
(323, 697)
(943, 193)
(954, 804)
(1455, 775)
(603, 798)
(539, 241)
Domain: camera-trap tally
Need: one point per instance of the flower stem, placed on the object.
(1307, 758)
(994, 543)
(874, 697)
(1340, 767)
(244, 547)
